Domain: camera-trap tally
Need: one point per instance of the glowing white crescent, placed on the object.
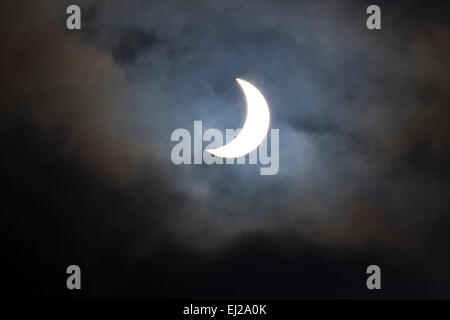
(255, 127)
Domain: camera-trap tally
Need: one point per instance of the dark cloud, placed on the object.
(364, 164)
(131, 43)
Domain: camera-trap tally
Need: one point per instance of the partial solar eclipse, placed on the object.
(255, 127)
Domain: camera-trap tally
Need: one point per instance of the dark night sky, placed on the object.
(86, 118)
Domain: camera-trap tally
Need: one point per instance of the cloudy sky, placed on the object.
(86, 119)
